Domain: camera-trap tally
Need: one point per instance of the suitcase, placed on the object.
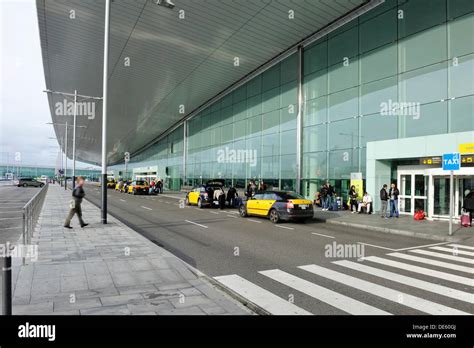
(237, 202)
(334, 207)
(465, 220)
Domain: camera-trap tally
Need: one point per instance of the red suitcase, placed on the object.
(465, 220)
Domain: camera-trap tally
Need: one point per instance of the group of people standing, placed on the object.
(327, 196)
(388, 200)
(156, 186)
(252, 187)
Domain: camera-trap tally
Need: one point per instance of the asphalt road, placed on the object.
(221, 243)
(12, 200)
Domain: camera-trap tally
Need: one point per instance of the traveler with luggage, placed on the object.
(365, 204)
(231, 196)
(468, 205)
(324, 197)
(353, 195)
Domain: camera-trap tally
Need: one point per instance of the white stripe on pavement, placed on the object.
(232, 216)
(454, 251)
(261, 297)
(383, 292)
(285, 227)
(448, 265)
(444, 256)
(421, 270)
(12, 218)
(195, 223)
(322, 235)
(416, 283)
(460, 246)
(342, 302)
(145, 208)
(214, 212)
(251, 220)
(122, 200)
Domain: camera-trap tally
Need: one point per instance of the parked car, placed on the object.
(111, 183)
(278, 206)
(203, 195)
(138, 186)
(25, 182)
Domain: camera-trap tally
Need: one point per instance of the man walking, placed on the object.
(393, 195)
(75, 207)
(384, 202)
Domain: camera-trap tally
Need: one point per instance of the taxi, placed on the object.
(203, 195)
(277, 206)
(111, 183)
(138, 186)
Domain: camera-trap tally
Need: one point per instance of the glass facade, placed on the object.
(404, 69)
(35, 172)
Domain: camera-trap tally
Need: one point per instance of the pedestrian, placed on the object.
(231, 196)
(324, 197)
(353, 195)
(262, 186)
(331, 195)
(468, 205)
(221, 198)
(159, 184)
(75, 204)
(384, 202)
(393, 196)
(365, 204)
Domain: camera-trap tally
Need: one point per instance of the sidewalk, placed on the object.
(404, 225)
(107, 270)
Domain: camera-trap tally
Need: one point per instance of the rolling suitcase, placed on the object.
(465, 219)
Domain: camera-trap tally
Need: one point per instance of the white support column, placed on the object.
(299, 120)
(185, 149)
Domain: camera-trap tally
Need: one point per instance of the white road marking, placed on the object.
(288, 228)
(122, 200)
(460, 246)
(8, 212)
(214, 212)
(232, 216)
(146, 208)
(261, 297)
(444, 256)
(195, 223)
(383, 292)
(342, 302)
(434, 262)
(160, 200)
(256, 221)
(376, 246)
(454, 251)
(322, 235)
(421, 270)
(401, 249)
(416, 283)
(12, 218)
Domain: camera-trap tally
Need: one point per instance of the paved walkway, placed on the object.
(404, 225)
(108, 269)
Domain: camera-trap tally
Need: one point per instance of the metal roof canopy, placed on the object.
(173, 61)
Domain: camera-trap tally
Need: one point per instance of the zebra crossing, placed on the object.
(441, 272)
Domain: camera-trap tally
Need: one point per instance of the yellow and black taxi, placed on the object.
(138, 186)
(203, 195)
(111, 183)
(277, 206)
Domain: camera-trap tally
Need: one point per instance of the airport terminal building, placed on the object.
(328, 90)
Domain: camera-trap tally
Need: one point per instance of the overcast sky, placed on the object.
(24, 109)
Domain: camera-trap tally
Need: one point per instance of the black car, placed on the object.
(25, 182)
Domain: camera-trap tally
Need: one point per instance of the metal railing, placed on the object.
(31, 212)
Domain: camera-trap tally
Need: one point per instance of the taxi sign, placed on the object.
(451, 161)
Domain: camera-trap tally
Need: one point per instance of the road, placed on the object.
(288, 268)
(12, 199)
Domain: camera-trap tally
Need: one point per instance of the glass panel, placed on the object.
(314, 138)
(271, 122)
(271, 145)
(421, 204)
(288, 95)
(344, 104)
(441, 196)
(288, 143)
(376, 93)
(461, 77)
(316, 85)
(378, 127)
(271, 100)
(342, 163)
(378, 31)
(379, 63)
(461, 36)
(271, 78)
(288, 167)
(421, 182)
(254, 106)
(343, 45)
(459, 7)
(423, 49)
(315, 112)
(424, 85)
(405, 185)
(344, 75)
(315, 58)
(254, 86)
(421, 14)
(405, 205)
(343, 134)
(288, 69)
(315, 165)
(461, 111)
(433, 120)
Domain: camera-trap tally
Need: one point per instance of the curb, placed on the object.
(395, 231)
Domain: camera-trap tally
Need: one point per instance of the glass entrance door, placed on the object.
(441, 196)
(413, 186)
